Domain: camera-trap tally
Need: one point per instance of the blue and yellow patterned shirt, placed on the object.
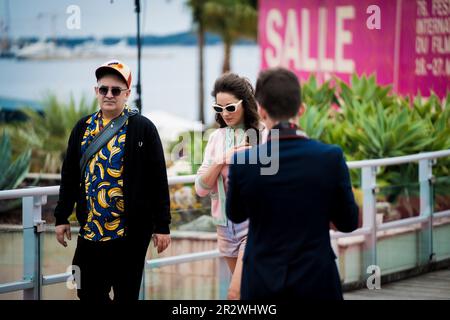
(103, 180)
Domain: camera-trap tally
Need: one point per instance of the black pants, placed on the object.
(105, 265)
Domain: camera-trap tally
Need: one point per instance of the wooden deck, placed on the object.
(429, 286)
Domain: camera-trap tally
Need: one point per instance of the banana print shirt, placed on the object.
(103, 179)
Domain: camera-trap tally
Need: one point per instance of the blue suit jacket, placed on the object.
(288, 252)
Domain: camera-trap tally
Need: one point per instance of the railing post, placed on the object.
(33, 226)
(426, 210)
(369, 184)
(224, 278)
(142, 289)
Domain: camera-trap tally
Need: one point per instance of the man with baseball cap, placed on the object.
(114, 171)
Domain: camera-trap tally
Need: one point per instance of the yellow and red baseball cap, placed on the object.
(116, 67)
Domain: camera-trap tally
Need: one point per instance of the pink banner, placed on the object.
(404, 42)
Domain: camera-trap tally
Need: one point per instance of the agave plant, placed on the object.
(314, 122)
(47, 134)
(364, 89)
(13, 172)
(318, 119)
(379, 125)
(379, 132)
(371, 122)
(322, 96)
(436, 116)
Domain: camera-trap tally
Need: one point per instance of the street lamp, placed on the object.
(138, 100)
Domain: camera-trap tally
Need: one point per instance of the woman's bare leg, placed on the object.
(231, 262)
(234, 291)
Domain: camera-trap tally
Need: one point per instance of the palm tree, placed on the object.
(231, 19)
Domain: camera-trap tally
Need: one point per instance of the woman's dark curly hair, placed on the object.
(243, 90)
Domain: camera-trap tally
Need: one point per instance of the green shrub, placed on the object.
(47, 134)
(369, 121)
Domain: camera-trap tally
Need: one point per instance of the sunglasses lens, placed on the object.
(103, 91)
(116, 92)
(231, 108)
(217, 109)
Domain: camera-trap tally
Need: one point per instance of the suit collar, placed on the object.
(288, 130)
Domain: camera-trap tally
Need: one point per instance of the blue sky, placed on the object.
(98, 17)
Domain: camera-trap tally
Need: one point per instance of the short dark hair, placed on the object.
(278, 91)
(242, 89)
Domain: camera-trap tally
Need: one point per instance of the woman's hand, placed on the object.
(230, 153)
(209, 178)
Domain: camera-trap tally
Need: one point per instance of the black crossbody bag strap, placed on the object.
(103, 138)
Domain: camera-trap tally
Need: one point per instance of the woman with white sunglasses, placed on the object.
(239, 128)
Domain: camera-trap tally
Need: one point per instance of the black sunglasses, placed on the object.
(232, 107)
(116, 91)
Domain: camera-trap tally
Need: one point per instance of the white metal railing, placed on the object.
(34, 198)
(44, 176)
(398, 160)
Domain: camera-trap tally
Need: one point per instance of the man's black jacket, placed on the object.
(145, 187)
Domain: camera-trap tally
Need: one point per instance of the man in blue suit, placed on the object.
(288, 253)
